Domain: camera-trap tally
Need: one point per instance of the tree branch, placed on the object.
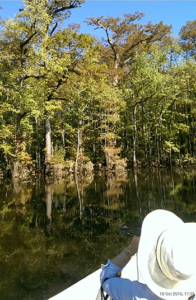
(28, 40)
(21, 116)
(33, 76)
(74, 71)
(53, 29)
(55, 12)
(108, 39)
(63, 99)
(59, 83)
(133, 46)
(142, 101)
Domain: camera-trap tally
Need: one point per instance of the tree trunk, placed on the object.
(150, 151)
(159, 140)
(143, 133)
(105, 129)
(79, 148)
(160, 137)
(170, 150)
(15, 170)
(116, 85)
(116, 64)
(38, 159)
(48, 140)
(63, 138)
(134, 137)
(5, 155)
(158, 154)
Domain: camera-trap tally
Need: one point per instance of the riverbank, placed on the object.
(66, 169)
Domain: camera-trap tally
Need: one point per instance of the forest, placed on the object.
(70, 102)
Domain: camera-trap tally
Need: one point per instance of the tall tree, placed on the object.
(29, 35)
(148, 90)
(124, 37)
(188, 39)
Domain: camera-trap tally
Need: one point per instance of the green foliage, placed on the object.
(170, 145)
(134, 85)
(59, 156)
(188, 38)
(69, 163)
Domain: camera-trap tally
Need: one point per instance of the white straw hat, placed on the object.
(166, 255)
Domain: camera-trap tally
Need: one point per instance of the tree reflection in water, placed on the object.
(54, 233)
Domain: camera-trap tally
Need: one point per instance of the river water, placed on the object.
(54, 233)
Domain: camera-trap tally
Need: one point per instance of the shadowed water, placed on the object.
(53, 234)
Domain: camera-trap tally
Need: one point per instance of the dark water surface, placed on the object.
(53, 234)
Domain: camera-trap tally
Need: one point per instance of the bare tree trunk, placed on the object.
(63, 137)
(158, 154)
(160, 187)
(159, 140)
(105, 129)
(48, 140)
(143, 133)
(5, 155)
(134, 137)
(116, 68)
(79, 148)
(193, 143)
(38, 158)
(160, 137)
(170, 149)
(116, 85)
(150, 151)
(152, 185)
(15, 171)
(170, 156)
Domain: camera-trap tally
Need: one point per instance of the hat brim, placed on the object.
(153, 225)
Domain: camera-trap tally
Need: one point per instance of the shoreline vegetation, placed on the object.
(71, 103)
(62, 171)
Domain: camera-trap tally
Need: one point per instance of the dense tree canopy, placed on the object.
(68, 98)
(188, 38)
